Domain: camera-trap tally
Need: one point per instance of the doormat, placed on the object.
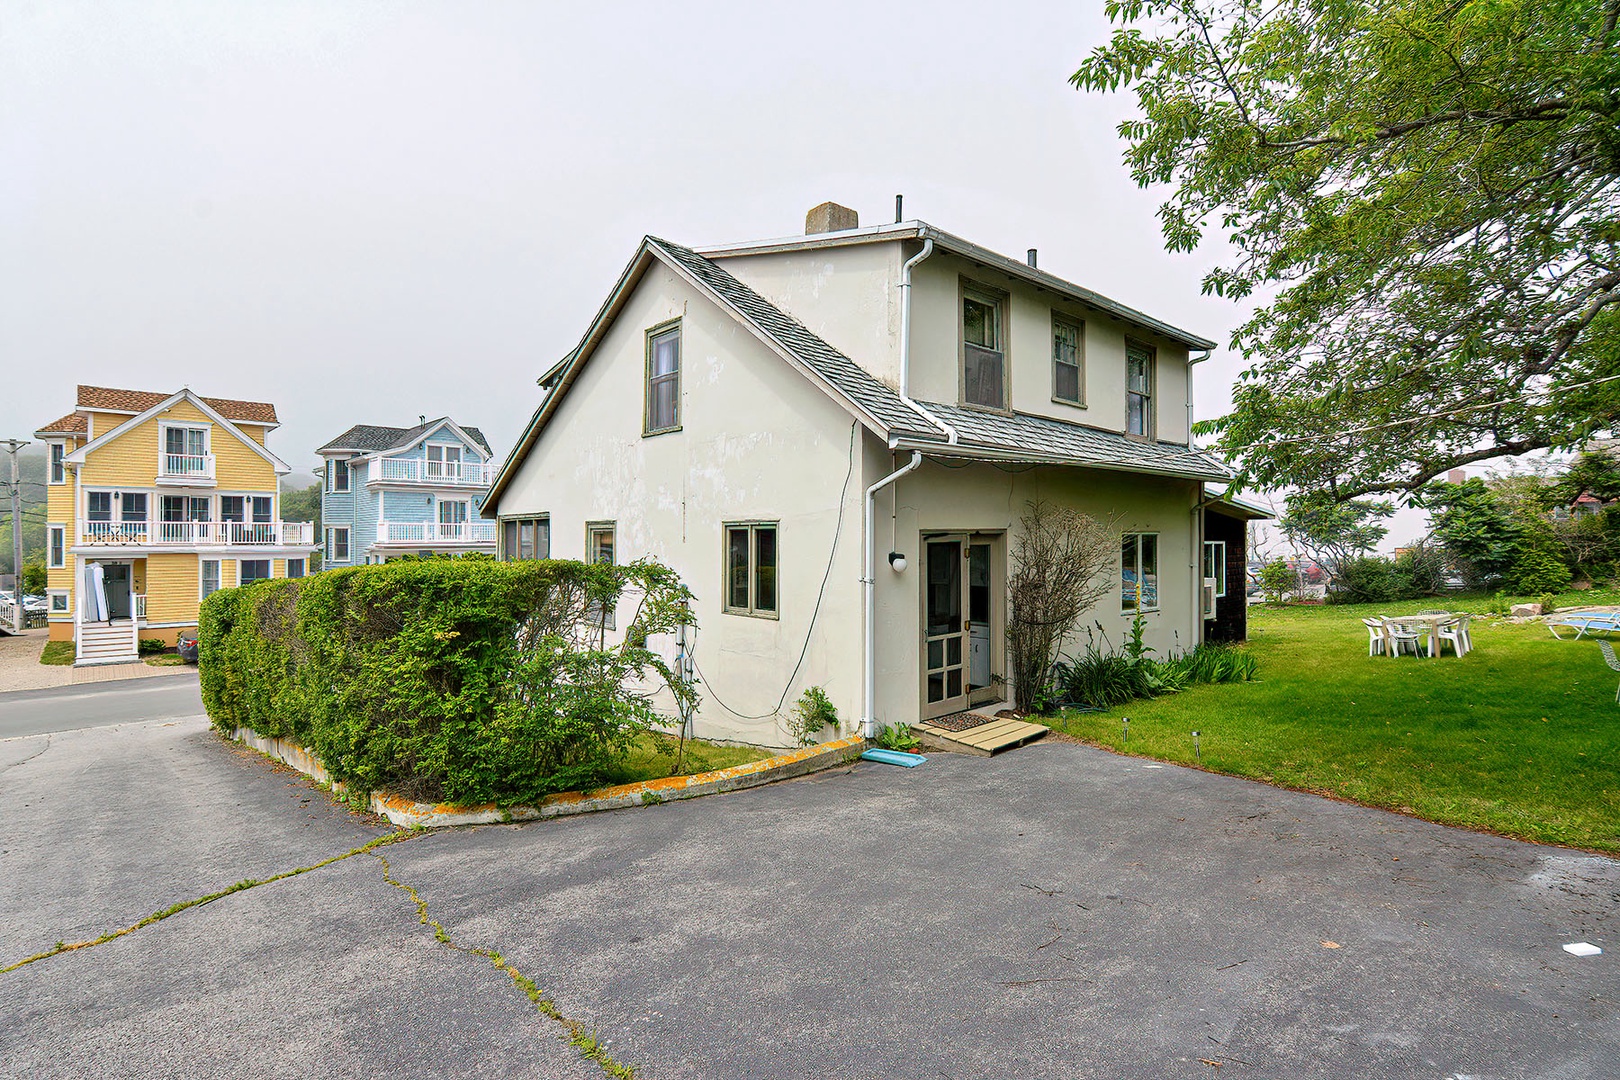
(960, 721)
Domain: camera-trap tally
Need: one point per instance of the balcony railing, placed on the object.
(436, 532)
(417, 471)
(198, 533)
(185, 467)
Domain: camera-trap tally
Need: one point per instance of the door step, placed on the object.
(991, 737)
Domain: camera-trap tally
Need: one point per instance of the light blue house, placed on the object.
(390, 491)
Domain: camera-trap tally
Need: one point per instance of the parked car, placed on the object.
(186, 645)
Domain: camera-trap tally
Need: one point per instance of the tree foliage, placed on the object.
(1333, 532)
(1426, 192)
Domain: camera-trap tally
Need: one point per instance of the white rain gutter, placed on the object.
(868, 584)
(905, 338)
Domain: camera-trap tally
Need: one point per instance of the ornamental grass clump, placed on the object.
(464, 680)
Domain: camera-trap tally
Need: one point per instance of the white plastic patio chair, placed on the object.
(1613, 662)
(1455, 632)
(1377, 641)
(1402, 635)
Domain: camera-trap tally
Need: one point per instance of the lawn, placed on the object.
(1520, 737)
(57, 653)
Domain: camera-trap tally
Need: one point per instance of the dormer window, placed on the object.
(1138, 389)
(984, 358)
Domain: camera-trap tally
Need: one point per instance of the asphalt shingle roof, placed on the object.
(107, 397)
(372, 438)
(1046, 438)
(878, 400)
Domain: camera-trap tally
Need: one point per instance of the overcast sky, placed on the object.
(364, 212)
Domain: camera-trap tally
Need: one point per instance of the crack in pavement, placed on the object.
(185, 905)
(578, 1035)
(30, 757)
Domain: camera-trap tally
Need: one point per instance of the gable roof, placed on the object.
(371, 438)
(956, 245)
(878, 406)
(78, 456)
(873, 403)
(110, 399)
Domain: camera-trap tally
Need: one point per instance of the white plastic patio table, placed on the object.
(1431, 622)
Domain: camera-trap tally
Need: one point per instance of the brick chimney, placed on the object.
(830, 217)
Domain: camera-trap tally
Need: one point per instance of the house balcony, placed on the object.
(186, 470)
(455, 534)
(196, 534)
(429, 473)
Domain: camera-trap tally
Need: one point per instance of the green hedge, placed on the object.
(467, 680)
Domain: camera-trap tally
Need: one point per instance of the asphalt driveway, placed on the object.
(1053, 912)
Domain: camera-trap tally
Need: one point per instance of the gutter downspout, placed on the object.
(905, 338)
(868, 584)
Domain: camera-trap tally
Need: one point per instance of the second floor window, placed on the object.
(232, 508)
(338, 480)
(1068, 353)
(185, 449)
(984, 362)
(98, 506)
(58, 472)
(664, 380)
(1138, 389)
(337, 544)
(444, 461)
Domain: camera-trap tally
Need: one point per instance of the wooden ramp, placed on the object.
(974, 733)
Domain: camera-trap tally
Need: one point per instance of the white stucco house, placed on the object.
(832, 438)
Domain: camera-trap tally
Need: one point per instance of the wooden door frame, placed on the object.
(997, 542)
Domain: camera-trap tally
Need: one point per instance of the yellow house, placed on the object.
(153, 502)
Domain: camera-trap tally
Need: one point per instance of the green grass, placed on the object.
(1520, 737)
(169, 660)
(652, 757)
(57, 653)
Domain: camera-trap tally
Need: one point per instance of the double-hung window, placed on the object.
(1068, 360)
(337, 479)
(1138, 389)
(599, 549)
(1215, 564)
(1139, 572)
(58, 469)
(56, 546)
(663, 379)
(751, 568)
(337, 544)
(526, 538)
(209, 570)
(984, 357)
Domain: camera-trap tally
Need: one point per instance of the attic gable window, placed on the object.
(663, 379)
(984, 361)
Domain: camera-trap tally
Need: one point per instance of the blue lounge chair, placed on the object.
(1584, 622)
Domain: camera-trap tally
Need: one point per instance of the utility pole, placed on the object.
(14, 445)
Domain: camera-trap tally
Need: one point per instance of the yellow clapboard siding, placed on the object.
(131, 460)
(171, 588)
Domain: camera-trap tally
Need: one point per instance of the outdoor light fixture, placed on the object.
(897, 562)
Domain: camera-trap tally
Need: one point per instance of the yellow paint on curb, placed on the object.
(406, 812)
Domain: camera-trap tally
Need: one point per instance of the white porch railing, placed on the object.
(198, 533)
(436, 532)
(417, 471)
(11, 618)
(185, 466)
(138, 602)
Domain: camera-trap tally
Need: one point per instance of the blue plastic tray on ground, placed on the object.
(893, 757)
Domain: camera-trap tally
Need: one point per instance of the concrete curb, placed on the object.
(407, 813)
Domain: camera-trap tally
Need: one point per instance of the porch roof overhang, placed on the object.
(1037, 440)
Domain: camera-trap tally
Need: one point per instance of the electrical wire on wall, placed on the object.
(838, 530)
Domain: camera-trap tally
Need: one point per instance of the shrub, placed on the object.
(1101, 679)
(1276, 579)
(466, 680)
(150, 646)
(813, 712)
(1062, 558)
